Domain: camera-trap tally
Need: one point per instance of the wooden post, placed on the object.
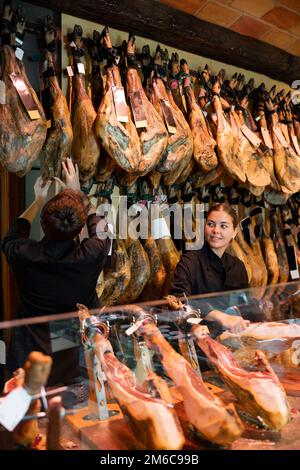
(12, 205)
(4, 228)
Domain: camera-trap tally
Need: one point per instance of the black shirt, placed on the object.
(52, 277)
(202, 271)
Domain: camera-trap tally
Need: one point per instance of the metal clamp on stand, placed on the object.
(187, 317)
(142, 353)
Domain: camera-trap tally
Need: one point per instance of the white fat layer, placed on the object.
(272, 330)
(270, 397)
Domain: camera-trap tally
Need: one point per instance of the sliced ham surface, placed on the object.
(153, 422)
(204, 411)
(260, 393)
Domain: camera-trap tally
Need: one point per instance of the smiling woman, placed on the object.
(220, 228)
(211, 269)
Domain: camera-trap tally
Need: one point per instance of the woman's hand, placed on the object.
(232, 323)
(41, 189)
(71, 175)
(235, 324)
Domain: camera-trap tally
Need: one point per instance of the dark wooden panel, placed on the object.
(12, 205)
(175, 28)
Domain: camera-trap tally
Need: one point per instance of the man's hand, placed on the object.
(41, 189)
(71, 175)
(233, 323)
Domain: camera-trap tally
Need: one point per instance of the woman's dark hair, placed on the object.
(226, 208)
(64, 215)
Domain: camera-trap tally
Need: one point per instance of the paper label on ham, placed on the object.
(253, 139)
(294, 274)
(183, 100)
(138, 111)
(25, 96)
(80, 68)
(168, 115)
(19, 53)
(120, 104)
(160, 229)
(267, 138)
(70, 71)
(280, 137)
(296, 144)
(133, 328)
(13, 408)
(2, 92)
(193, 321)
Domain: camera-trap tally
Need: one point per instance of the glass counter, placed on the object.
(156, 375)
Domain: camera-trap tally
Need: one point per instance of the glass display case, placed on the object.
(157, 375)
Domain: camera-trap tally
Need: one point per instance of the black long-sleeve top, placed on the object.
(202, 271)
(53, 276)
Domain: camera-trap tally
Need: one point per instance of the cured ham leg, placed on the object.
(257, 170)
(154, 287)
(60, 136)
(181, 173)
(154, 423)
(271, 331)
(154, 139)
(228, 145)
(139, 271)
(116, 278)
(260, 393)
(119, 139)
(204, 143)
(180, 144)
(21, 138)
(86, 146)
(204, 411)
(279, 341)
(286, 161)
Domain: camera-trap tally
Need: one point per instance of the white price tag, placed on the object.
(296, 144)
(266, 136)
(294, 274)
(280, 137)
(133, 328)
(70, 71)
(160, 229)
(194, 320)
(19, 53)
(250, 136)
(2, 92)
(13, 408)
(80, 68)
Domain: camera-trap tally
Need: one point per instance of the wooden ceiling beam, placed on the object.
(153, 20)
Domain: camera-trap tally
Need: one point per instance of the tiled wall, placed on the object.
(276, 22)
